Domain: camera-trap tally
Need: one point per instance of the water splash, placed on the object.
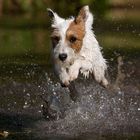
(96, 109)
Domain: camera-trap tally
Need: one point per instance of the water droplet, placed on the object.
(11, 72)
(90, 96)
(25, 103)
(28, 94)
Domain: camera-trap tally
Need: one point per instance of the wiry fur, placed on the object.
(88, 60)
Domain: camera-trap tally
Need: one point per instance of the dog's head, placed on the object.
(68, 34)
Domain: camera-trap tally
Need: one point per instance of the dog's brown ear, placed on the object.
(85, 17)
(82, 15)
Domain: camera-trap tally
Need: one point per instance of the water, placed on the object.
(33, 105)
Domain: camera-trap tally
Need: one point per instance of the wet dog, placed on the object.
(75, 49)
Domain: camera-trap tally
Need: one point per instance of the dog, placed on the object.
(75, 49)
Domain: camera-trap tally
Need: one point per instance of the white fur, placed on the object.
(88, 60)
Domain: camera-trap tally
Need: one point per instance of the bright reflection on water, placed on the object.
(33, 105)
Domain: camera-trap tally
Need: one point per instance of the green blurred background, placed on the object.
(25, 28)
(20, 18)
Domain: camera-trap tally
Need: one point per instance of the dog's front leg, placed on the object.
(64, 77)
(74, 70)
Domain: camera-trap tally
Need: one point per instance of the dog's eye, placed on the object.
(56, 39)
(73, 39)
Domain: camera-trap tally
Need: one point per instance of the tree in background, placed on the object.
(69, 6)
(1, 7)
(65, 7)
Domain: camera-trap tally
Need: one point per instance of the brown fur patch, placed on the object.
(76, 30)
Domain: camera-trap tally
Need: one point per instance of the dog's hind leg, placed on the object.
(99, 75)
(104, 82)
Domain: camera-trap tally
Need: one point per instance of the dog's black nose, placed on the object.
(62, 56)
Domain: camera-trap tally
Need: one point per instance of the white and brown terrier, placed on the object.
(75, 48)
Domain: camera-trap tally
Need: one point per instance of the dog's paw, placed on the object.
(65, 84)
(65, 81)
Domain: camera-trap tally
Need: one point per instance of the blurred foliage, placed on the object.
(22, 6)
(65, 7)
